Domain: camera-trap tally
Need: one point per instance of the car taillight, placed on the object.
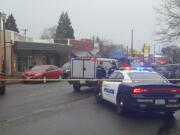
(139, 90)
(174, 90)
(1, 77)
(142, 90)
(93, 59)
(171, 90)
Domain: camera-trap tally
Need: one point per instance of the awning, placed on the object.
(33, 46)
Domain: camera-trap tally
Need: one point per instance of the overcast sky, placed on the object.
(109, 19)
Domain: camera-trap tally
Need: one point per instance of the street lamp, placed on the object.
(3, 15)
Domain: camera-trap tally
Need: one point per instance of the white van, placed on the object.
(85, 68)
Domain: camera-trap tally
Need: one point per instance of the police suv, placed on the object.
(139, 89)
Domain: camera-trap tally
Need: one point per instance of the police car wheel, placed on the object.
(121, 107)
(98, 96)
(76, 88)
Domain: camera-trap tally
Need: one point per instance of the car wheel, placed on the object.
(3, 90)
(98, 96)
(44, 79)
(76, 88)
(121, 109)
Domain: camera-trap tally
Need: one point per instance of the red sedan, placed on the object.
(2, 84)
(43, 72)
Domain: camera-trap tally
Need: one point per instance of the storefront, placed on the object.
(28, 54)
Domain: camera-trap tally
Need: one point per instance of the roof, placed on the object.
(160, 56)
(83, 45)
(44, 65)
(130, 71)
(106, 59)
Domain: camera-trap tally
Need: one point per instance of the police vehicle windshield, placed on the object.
(146, 77)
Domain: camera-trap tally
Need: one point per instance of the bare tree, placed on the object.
(168, 20)
(49, 33)
(106, 46)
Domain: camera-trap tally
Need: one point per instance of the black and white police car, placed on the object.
(139, 89)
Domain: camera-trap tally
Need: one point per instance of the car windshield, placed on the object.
(172, 67)
(146, 76)
(161, 68)
(107, 64)
(66, 66)
(37, 68)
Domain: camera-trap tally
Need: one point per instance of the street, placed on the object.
(54, 108)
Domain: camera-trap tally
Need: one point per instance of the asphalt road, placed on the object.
(24, 99)
(53, 108)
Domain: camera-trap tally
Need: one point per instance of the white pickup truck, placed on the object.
(85, 68)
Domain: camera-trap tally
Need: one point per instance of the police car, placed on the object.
(139, 89)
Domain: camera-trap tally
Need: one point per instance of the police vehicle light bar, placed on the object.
(136, 68)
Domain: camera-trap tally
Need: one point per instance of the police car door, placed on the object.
(110, 88)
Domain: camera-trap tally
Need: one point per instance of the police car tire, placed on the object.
(98, 96)
(121, 109)
(76, 88)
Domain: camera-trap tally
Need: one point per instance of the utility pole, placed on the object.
(127, 51)
(143, 53)
(132, 42)
(0, 22)
(3, 15)
(159, 48)
(154, 52)
(25, 31)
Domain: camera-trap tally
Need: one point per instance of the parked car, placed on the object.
(167, 71)
(175, 68)
(43, 72)
(2, 84)
(66, 70)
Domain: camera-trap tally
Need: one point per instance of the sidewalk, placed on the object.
(14, 81)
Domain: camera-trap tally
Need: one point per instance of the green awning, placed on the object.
(33, 46)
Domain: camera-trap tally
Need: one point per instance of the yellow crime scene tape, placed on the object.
(10, 79)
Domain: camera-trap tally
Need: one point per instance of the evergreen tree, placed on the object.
(64, 29)
(10, 24)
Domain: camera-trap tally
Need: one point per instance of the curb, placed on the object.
(13, 82)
